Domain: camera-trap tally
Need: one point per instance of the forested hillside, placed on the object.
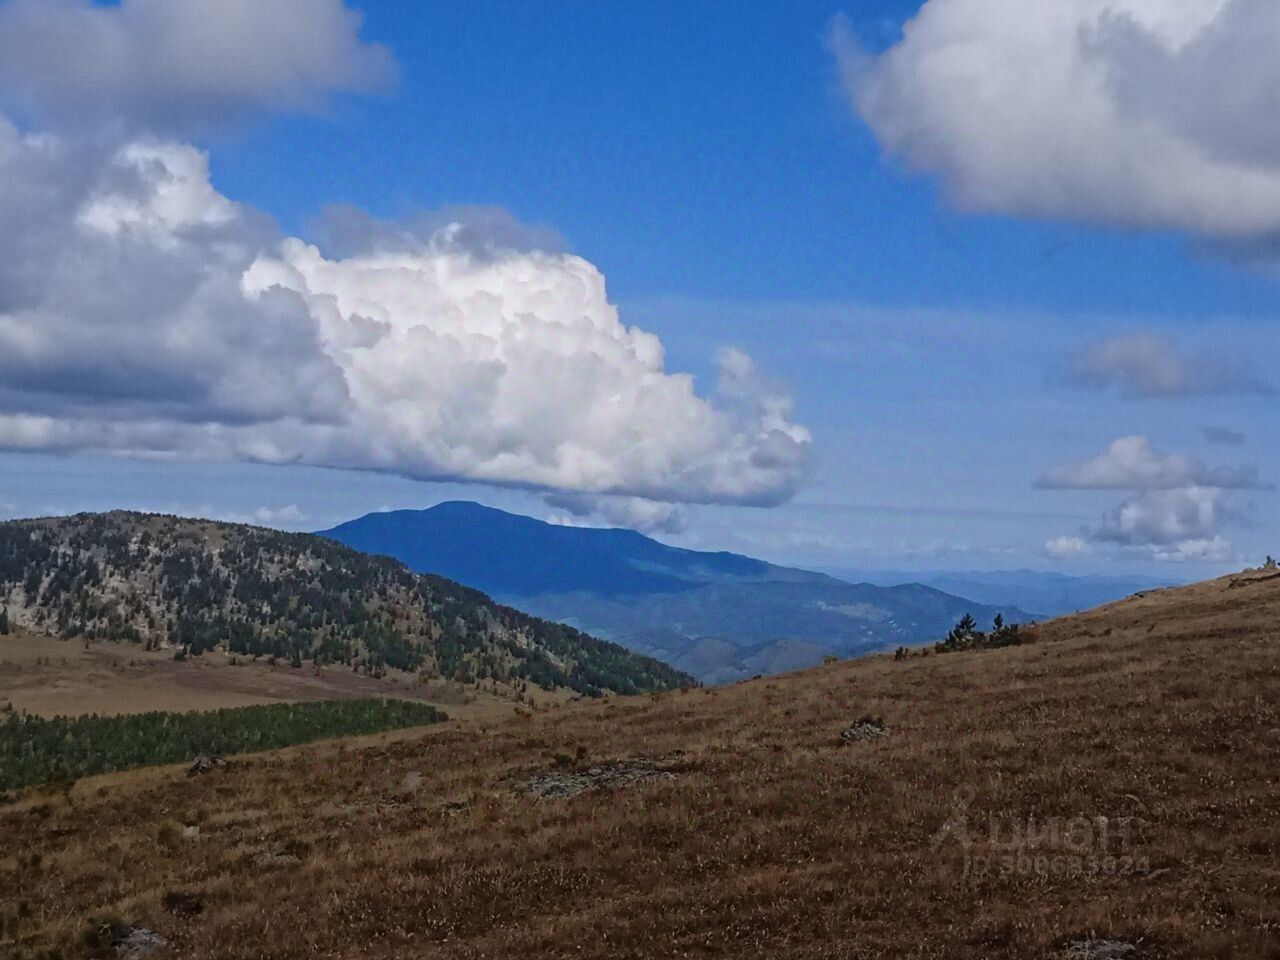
(195, 585)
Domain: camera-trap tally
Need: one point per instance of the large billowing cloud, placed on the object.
(513, 367)
(142, 312)
(1106, 111)
(145, 314)
(120, 296)
(180, 65)
(1177, 509)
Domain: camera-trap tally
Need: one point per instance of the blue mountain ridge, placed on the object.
(720, 616)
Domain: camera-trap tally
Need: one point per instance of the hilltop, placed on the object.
(1108, 785)
(1051, 594)
(193, 586)
(719, 616)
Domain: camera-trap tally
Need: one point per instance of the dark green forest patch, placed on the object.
(36, 750)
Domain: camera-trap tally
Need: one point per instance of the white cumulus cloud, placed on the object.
(514, 368)
(143, 313)
(1173, 521)
(1210, 550)
(1131, 463)
(635, 513)
(121, 299)
(181, 65)
(1177, 509)
(1106, 111)
(1065, 547)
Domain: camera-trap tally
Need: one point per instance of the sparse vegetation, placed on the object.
(197, 585)
(101, 934)
(965, 635)
(36, 750)
(182, 903)
(774, 840)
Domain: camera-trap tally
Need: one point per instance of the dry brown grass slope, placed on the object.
(773, 837)
(48, 677)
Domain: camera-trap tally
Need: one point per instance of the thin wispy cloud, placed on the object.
(1151, 366)
(1067, 547)
(1132, 463)
(1223, 436)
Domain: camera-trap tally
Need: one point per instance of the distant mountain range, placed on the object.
(718, 616)
(1052, 594)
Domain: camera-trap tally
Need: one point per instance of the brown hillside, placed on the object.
(974, 828)
(46, 678)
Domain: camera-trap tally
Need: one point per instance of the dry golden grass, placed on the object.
(775, 839)
(46, 677)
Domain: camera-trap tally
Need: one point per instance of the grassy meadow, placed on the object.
(1114, 776)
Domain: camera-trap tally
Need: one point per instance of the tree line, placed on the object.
(41, 750)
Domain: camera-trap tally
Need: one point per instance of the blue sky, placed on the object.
(693, 154)
(712, 167)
